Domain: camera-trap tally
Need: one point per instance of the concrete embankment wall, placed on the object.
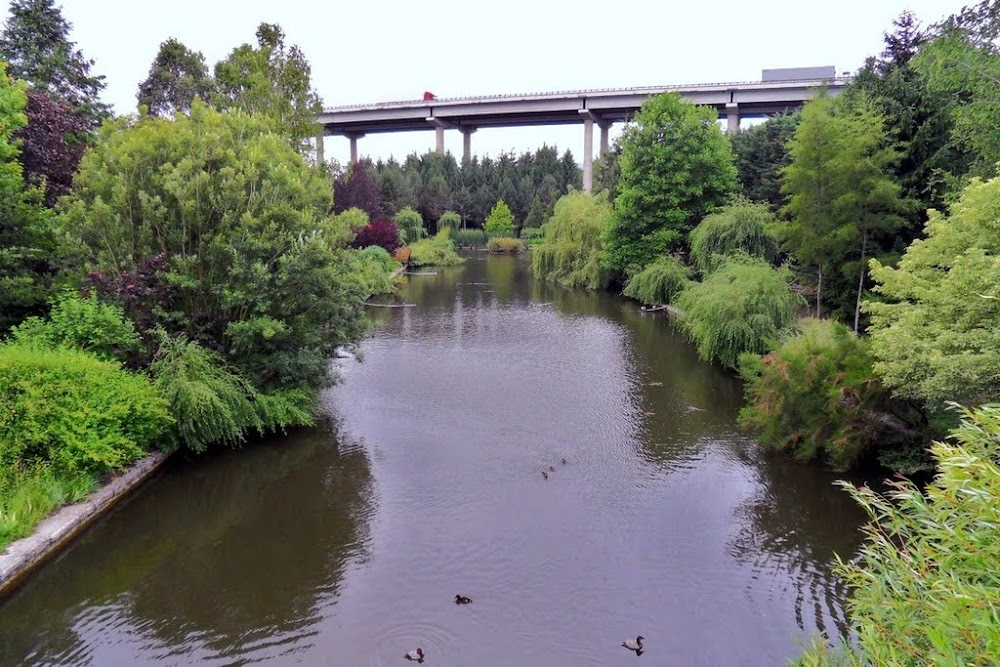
(23, 556)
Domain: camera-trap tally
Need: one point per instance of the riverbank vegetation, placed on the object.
(188, 280)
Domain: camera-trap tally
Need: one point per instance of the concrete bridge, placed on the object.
(777, 91)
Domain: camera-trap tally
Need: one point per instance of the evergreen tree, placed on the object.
(35, 43)
(176, 77)
(760, 153)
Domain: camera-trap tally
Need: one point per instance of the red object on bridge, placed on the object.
(429, 96)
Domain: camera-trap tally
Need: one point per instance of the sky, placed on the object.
(371, 50)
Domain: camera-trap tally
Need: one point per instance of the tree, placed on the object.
(273, 81)
(35, 44)
(676, 166)
(25, 239)
(659, 282)
(571, 252)
(741, 227)
(411, 225)
(52, 143)
(760, 152)
(257, 271)
(918, 119)
(176, 77)
(500, 221)
(744, 306)
(923, 589)
(356, 188)
(841, 194)
(962, 62)
(934, 329)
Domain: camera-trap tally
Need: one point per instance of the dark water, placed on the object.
(345, 544)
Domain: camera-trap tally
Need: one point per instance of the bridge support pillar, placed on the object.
(588, 154)
(605, 126)
(467, 142)
(354, 146)
(439, 145)
(320, 157)
(732, 118)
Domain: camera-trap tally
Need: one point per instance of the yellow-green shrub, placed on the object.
(505, 245)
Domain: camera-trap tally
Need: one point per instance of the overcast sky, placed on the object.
(369, 51)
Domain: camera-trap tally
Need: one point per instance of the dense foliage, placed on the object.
(760, 153)
(35, 45)
(743, 227)
(571, 253)
(253, 267)
(449, 220)
(676, 166)
(500, 245)
(25, 238)
(934, 331)
(355, 188)
(411, 225)
(842, 194)
(469, 238)
(743, 306)
(70, 409)
(924, 589)
(815, 395)
(659, 282)
(438, 250)
(213, 404)
(52, 143)
(432, 184)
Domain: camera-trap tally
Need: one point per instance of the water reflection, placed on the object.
(235, 556)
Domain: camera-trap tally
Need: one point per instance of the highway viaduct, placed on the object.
(777, 91)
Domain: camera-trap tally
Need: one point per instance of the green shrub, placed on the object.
(741, 227)
(377, 267)
(74, 410)
(250, 262)
(353, 219)
(500, 221)
(83, 323)
(469, 238)
(741, 307)
(29, 493)
(532, 235)
(435, 251)
(213, 404)
(815, 395)
(505, 245)
(449, 220)
(925, 588)
(411, 225)
(571, 253)
(659, 282)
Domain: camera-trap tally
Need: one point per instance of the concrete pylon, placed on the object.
(732, 117)
(467, 142)
(439, 140)
(605, 126)
(588, 153)
(354, 146)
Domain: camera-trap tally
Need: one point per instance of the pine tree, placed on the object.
(176, 77)
(35, 44)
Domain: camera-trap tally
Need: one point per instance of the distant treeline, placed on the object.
(432, 184)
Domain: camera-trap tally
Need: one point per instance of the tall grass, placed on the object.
(29, 494)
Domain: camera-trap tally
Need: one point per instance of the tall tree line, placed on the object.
(529, 183)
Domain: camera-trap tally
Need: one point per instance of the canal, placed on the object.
(345, 544)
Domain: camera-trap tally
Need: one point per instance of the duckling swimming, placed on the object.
(545, 474)
(416, 655)
(551, 469)
(563, 460)
(634, 645)
(461, 599)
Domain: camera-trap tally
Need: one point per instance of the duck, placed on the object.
(545, 474)
(552, 469)
(634, 645)
(563, 460)
(461, 599)
(416, 655)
